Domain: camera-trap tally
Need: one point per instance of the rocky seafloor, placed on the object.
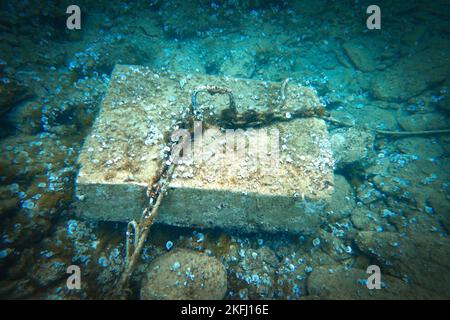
(391, 206)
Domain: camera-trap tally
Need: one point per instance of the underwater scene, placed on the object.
(224, 150)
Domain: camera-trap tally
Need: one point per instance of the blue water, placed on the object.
(391, 206)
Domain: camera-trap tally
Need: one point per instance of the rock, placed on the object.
(255, 270)
(367, 193)
(387, 105)
(422, 147)
(413, 74)
(400, 8)
(343, 84)
(309, 8)
(184, 274)
(172, 12)
(441, 207)
(333, 246)
(25, 117)
(362, 54)
(48, 272)
(373, 116)
(414, 36)
(9, 201)
(334, 282)
(426, 121)
(16, 289)
(438, 8)
(380, 166)
(350, 146)
(443, 95)
(10, 94)
(444, 104)
(392, 186)
(260, 260)
(64, 130)
(182, 62)
(239, 64)
(422, 259)
(342, 200)
(363, 219)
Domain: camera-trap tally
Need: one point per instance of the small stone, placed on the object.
(350, 146)
(202, 277)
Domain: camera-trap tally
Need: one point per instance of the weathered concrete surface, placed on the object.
(255, 187)
(253, 195)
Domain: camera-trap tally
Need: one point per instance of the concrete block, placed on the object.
(275, 177)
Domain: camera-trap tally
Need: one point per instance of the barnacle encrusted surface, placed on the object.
(270, 174)
(184, 274)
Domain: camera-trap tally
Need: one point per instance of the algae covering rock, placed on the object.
(441, 208)
(444, 103)
(257, 268)
(350, 146)
(422, 147)
(185, 274)
(337, 282)
(49, 272)
(426, 121)
(367, 54)
(363, 219)
(195, 18)
(240, 64)
(413, 74)
(10, 93)
(421, 260)
(342, 200)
